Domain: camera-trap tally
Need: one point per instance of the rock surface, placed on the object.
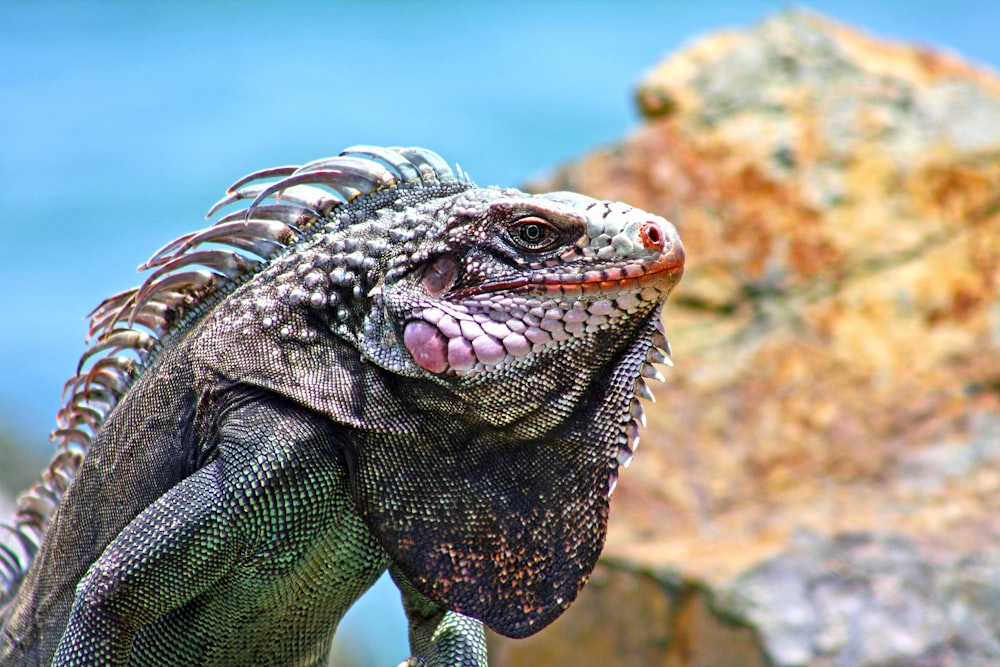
(821, 471)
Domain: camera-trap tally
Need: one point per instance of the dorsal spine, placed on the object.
(129, 328)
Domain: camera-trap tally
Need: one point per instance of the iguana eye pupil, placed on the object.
(533, 234)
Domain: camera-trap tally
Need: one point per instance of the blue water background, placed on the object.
(123, 121)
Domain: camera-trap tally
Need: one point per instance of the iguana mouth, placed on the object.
(592, 283)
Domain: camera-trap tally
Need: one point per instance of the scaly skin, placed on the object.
(434, 378)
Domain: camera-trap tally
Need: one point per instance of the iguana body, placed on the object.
(418, 374)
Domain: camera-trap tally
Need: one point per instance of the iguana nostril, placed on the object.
(652, 236)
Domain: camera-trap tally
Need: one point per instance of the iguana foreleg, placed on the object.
(267, 525)
(173, 551)
(439, 638)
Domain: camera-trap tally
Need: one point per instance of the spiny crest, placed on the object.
(127, 329)
(628, 440)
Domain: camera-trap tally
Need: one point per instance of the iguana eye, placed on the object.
(533, 234)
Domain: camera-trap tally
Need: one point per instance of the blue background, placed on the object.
(124, 121)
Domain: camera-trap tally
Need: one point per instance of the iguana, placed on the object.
(373, 364)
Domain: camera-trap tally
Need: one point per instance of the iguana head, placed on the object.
(516, 277)
(483, 351)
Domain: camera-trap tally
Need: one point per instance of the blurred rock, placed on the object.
(631, 615)
(823, 464)
(870, 599)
